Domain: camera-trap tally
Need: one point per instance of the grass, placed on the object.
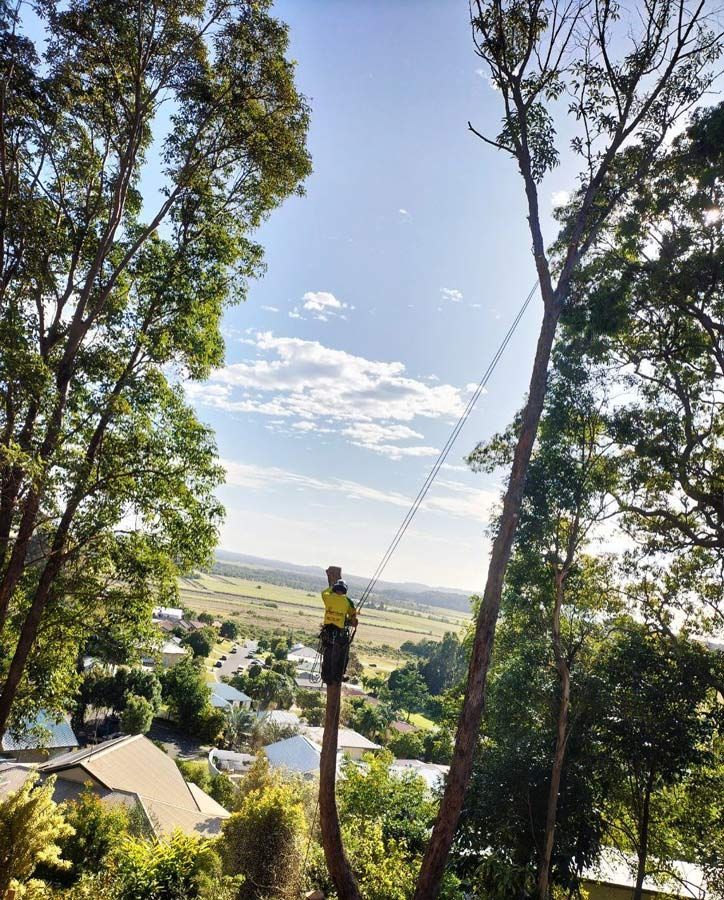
(259, 607)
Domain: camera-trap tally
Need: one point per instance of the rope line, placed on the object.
(427, 484)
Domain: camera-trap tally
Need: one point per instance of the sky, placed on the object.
(388, 288)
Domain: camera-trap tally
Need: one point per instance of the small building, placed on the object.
(225, 696)
(295, 754)
(231, 763)
(133, 770)
(171, 654)
(432, 773)
(349, 742)
(282, 718)
(614, 878)
(303, 657)
(39, 740)
(168, 612)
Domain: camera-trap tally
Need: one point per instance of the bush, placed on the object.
(407, 746)
(181, 868)
(136, 718)
(31, 830)
(273, 820)
(99, 831)
(201, 642)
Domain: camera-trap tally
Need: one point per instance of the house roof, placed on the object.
(297, 754)
(134, 765)
(432, 773)
(168, 611)
(229, 692)
(402, 727)
(301, 652)
(347, 739)
(42, 733)
(617, 870)
(278, 717)
(219, 702)
(172, 648)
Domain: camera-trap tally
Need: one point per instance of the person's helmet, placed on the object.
(340, 587)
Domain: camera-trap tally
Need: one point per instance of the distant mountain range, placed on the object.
(311, 578)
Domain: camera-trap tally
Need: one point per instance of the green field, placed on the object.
(264, 607)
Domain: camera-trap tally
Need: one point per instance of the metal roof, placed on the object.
(297, 754)
(43, 733)
(229, 692)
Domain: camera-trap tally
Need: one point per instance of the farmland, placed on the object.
(259, 607)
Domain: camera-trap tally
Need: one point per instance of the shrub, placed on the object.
(136, 718)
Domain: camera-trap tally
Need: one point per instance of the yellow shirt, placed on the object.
(338, 609)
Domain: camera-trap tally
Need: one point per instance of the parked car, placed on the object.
(233, 650)
(223, 657)
(217, 664)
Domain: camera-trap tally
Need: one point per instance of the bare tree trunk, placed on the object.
(643, 843)
(564, 676)
(433, 864)
(337, 862)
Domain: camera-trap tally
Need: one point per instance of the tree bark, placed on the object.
(438, 848)
(337, 862)
(564, 676)
(643, 843)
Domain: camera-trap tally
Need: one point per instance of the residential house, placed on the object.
(613, 878)
(432, 773)
(295, 754)
(303, 657)
(168, 612)
(349, 742)
(131, 769)
(225, 696)
(283, 718)
(172, 654)
(39, 740)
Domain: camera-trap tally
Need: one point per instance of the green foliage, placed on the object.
(98, 831)
(111, 692)
(201, 642)
(410, 745)
(220, 787)
(238, 725)
(371, 721)
(180, 868)
(187, 694)
(137, 716)
(262, 841)
(32, 828)
(407, 690)
(229, 629)
(398, 803)
(104, 295)
(268, 689)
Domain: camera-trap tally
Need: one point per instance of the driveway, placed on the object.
(176, 742)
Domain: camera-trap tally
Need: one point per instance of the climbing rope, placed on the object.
(427, 484)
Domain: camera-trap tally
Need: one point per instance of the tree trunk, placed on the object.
(564, 675)
(337, 862)
(438, 848)
(643, 844)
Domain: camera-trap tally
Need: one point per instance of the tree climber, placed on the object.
(339, 615)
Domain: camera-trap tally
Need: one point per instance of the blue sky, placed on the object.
(389, 287)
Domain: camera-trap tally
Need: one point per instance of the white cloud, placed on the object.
(560, 198)
(321, 305)
(444, 497)
(274, 309)
(451, 294)
(403, 212)
(712, 216)
(304, 379)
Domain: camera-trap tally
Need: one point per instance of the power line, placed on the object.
(460, 424)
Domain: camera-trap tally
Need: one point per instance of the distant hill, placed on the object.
(310, 578)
